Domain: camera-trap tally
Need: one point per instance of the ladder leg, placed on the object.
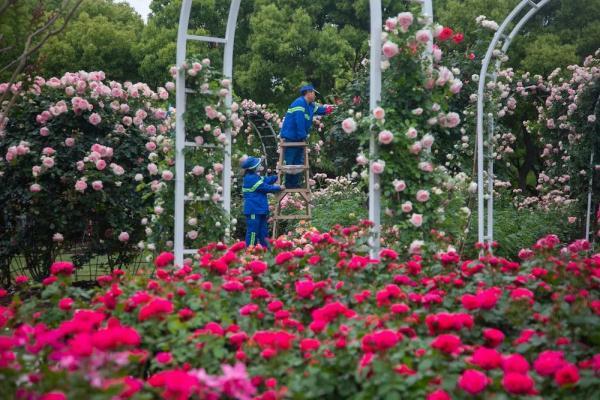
(278, 196)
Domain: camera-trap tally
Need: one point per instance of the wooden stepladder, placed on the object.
(305, 194)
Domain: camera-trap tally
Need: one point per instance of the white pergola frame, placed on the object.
(488, 180)
(180, 144)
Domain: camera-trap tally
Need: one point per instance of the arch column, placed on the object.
(483, 75)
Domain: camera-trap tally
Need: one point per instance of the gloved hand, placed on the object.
(329, 109)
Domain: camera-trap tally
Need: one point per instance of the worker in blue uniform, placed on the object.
(256, 205)
(296, 127)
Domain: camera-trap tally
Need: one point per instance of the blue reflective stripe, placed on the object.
(253, 188)
(294, 109)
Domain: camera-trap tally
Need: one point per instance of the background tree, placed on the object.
(101, 37)
(561, 33)
(24, 28)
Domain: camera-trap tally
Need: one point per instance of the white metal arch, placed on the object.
(183, 37)
(481, 220)
(180, 144)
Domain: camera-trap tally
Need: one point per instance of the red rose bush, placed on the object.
(314, 317)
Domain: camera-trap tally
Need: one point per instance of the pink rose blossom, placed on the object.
(117, 169)
(34, 188)
(48, 162)
(218, 167)
(97, 185)
(415, 148)
(405, 20)
(422, 196)
(362, 160)
(423, 36)
(411, 133)
(379, 113)
(427, 141)
(349, 125)
(456, 86)
(406, 207)
(390, 49)
(198, 170)
(44, 131)
(399, 185)
(80, 186)
(48, 151)
(69, 142)
(151, 130)
(100, 165)
(390, 24)
(425, 166)
(123, 237)
(386, 137)
(95, 119)
(167, 175)
(378, 166)
(416, 220)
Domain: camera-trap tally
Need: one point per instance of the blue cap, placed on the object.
(306, 88)
(251, 163)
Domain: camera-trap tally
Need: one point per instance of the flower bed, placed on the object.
(314, 318)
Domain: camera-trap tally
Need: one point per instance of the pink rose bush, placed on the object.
(567, 138)
(207, 121)
(69, 154)
(414, 110)
(245, 324)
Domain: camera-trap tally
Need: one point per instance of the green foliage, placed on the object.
(101, 37)
(515, 229)
(548, 52)
(278, 46)
(563, 32)
(157, 46)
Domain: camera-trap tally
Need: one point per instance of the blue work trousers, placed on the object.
(257, 229)
(293, 156)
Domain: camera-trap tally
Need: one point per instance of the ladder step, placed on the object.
(291, 217)
(293, 144)
(190, 251)
(206, 39)
(188, 90)
(533, 4)
(293, 169)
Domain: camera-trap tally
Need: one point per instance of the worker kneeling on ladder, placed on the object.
(296, 127)
(256, 205)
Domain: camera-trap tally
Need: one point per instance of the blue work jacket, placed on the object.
(255, 189)
(298, 119)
